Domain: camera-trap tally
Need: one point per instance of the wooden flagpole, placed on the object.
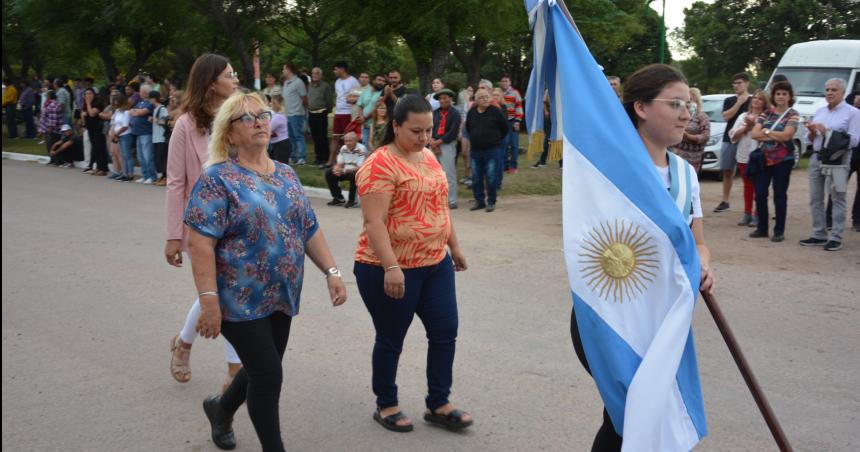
(746, 372)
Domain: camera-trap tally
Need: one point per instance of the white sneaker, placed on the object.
(148, 181)
(300, 162)
(139, 181)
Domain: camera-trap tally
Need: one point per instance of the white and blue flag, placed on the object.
(632, 261)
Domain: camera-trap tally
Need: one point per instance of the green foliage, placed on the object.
(730, 36)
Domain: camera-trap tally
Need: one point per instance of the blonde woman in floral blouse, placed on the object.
(692, 147)
(250, 227)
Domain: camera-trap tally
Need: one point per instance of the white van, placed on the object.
(808, 65)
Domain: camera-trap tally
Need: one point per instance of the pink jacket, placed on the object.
(189, 150)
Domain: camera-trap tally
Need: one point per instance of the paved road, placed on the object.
(89, 307)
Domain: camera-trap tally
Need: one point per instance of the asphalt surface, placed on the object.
(89, 306)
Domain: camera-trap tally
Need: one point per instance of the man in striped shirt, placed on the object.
(513, 108)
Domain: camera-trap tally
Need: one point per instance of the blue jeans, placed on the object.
(781, 176)
(431, 294)
(512, 142)
(485, 166)
(296, 128)
(146, 156)
(126, 148)
(365, 136)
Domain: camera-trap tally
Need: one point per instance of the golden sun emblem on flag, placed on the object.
(619, 260)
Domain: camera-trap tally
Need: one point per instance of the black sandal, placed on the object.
(390, 422)
(452, 421)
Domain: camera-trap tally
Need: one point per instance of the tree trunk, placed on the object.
(104, 49)
(241, 48)
(430, 55)
(471, 61)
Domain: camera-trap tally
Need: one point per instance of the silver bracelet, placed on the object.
(391, 267)
(201, 294)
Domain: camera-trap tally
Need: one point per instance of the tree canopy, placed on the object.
(730, 36)
(460, 41)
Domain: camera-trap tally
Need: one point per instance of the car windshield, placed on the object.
(810, 81)
(714, 109)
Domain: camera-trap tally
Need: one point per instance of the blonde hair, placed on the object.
(697, 98)
(220, 148)
(762, 95)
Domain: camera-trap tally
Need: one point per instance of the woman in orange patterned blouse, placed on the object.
(405, 263)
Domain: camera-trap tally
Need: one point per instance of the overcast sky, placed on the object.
(674, 19)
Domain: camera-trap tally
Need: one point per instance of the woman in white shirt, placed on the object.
(121, 132)
(741, 134)
(280, 143)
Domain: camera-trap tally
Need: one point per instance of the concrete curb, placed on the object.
(313, 192)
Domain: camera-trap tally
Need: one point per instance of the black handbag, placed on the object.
(835, 147)
(755, 163)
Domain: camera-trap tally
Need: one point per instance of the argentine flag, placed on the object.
(632, 262)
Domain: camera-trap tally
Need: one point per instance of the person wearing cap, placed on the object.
(141, 128)
(350, 157)
(159, 136)
(68, 149)
(446, 127)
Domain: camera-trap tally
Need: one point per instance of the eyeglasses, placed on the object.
(233, 74)
(249, 119)
(678, 105)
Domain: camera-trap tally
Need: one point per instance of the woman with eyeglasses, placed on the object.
(210, 83)
(657, 100)
(250, 227)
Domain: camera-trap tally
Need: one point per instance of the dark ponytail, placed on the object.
(410, 103)
(645, 85)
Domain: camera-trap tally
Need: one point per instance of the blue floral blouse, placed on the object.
(262, 224)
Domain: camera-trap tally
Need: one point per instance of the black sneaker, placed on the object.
(452, 206)
(833, 245)
(491, 207)
(758, 234)
(539, 165)
(222, 431)
(724, 206)
(336, 202)
(812, 241)
(350, 204)
(477, 207)
(777, 238)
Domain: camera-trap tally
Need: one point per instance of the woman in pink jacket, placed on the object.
(210, 83)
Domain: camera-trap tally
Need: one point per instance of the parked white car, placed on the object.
(712, 105)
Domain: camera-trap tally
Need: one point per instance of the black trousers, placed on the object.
(281, 151)
(334, 187)
(99, 155)
(160, 158)
(606, 440)
(260, 345)
(11, 120)
(318, 123)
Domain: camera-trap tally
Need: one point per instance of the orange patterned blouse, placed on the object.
(418, 218)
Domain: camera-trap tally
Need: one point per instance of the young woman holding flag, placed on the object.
(657, 101)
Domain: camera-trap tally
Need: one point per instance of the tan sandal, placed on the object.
(180, 358)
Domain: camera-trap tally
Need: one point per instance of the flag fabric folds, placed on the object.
(632, 262)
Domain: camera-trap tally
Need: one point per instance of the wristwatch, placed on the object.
(766, 132)
(333, 271)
